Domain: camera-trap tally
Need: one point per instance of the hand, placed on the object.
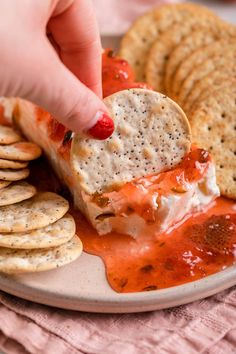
(51, 55)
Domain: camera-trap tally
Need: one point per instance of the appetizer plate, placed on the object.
(82, 286)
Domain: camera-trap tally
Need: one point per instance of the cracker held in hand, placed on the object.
(23, 151)
(8, 135)
(16, 192)
(214, 128)
(43, 209)
(24, 261)
(137, 42)
(52, 235)
(152, 134)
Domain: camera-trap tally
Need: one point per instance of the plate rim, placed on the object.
(125, 302)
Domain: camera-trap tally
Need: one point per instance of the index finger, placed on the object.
(76, 33)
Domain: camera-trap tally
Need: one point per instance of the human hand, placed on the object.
(63, 74)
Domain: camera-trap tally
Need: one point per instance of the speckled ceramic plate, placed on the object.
(82, 286)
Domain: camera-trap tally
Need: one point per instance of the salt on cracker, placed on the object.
(214, 128)
(52, 235)
(8, 135)
(4, 184)
(197, 58)
(13, 164)
(218, 62)
(16, 193)
(14, 261)
(13, 175)
(22, 151)
(200, 37)
(43, 209)
(152, 134)
(137, 42)
(166, 43)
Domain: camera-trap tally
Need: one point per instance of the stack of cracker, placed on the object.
(36, 232)
(189, 53)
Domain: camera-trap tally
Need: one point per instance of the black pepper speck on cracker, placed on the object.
(152, 134)
(33, 213)
(24, 261)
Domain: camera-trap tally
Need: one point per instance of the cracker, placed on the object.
(22, 151)
(161, 50)
(4, 184)
(16, 192)
(137, 42)
(8, 135)
(13, 164)
(52, 235)
(214, 80)
(23, 261)
(152, 134)
(200, 37)
(218, 62)
(197, 58)
(214, 128)
(13, 175)
(43, 209)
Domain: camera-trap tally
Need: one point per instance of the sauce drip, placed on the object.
(202, 245)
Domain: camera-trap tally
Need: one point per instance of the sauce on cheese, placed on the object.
(202, 245)
(199, 246)
(139, 195)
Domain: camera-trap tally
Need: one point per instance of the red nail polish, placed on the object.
(103, 128)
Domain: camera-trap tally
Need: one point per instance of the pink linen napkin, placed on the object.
(207, 326)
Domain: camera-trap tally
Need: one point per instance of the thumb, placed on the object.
(56, 89)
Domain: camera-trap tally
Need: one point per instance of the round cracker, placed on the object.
(23, 261)
(152, 134)
(197, 39)
(14, 175)
(43, 209)
(161, 50)
(218, 62)
(136, 43)
(13, 164)
(22, 151)
(52, 235)
(8, 135)
(214, 128)
(197, 58)
(4, 184)
(213, 81)
(16, 193)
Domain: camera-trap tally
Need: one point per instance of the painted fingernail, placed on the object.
(103, 128)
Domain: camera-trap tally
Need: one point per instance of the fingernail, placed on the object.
(103, 128)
